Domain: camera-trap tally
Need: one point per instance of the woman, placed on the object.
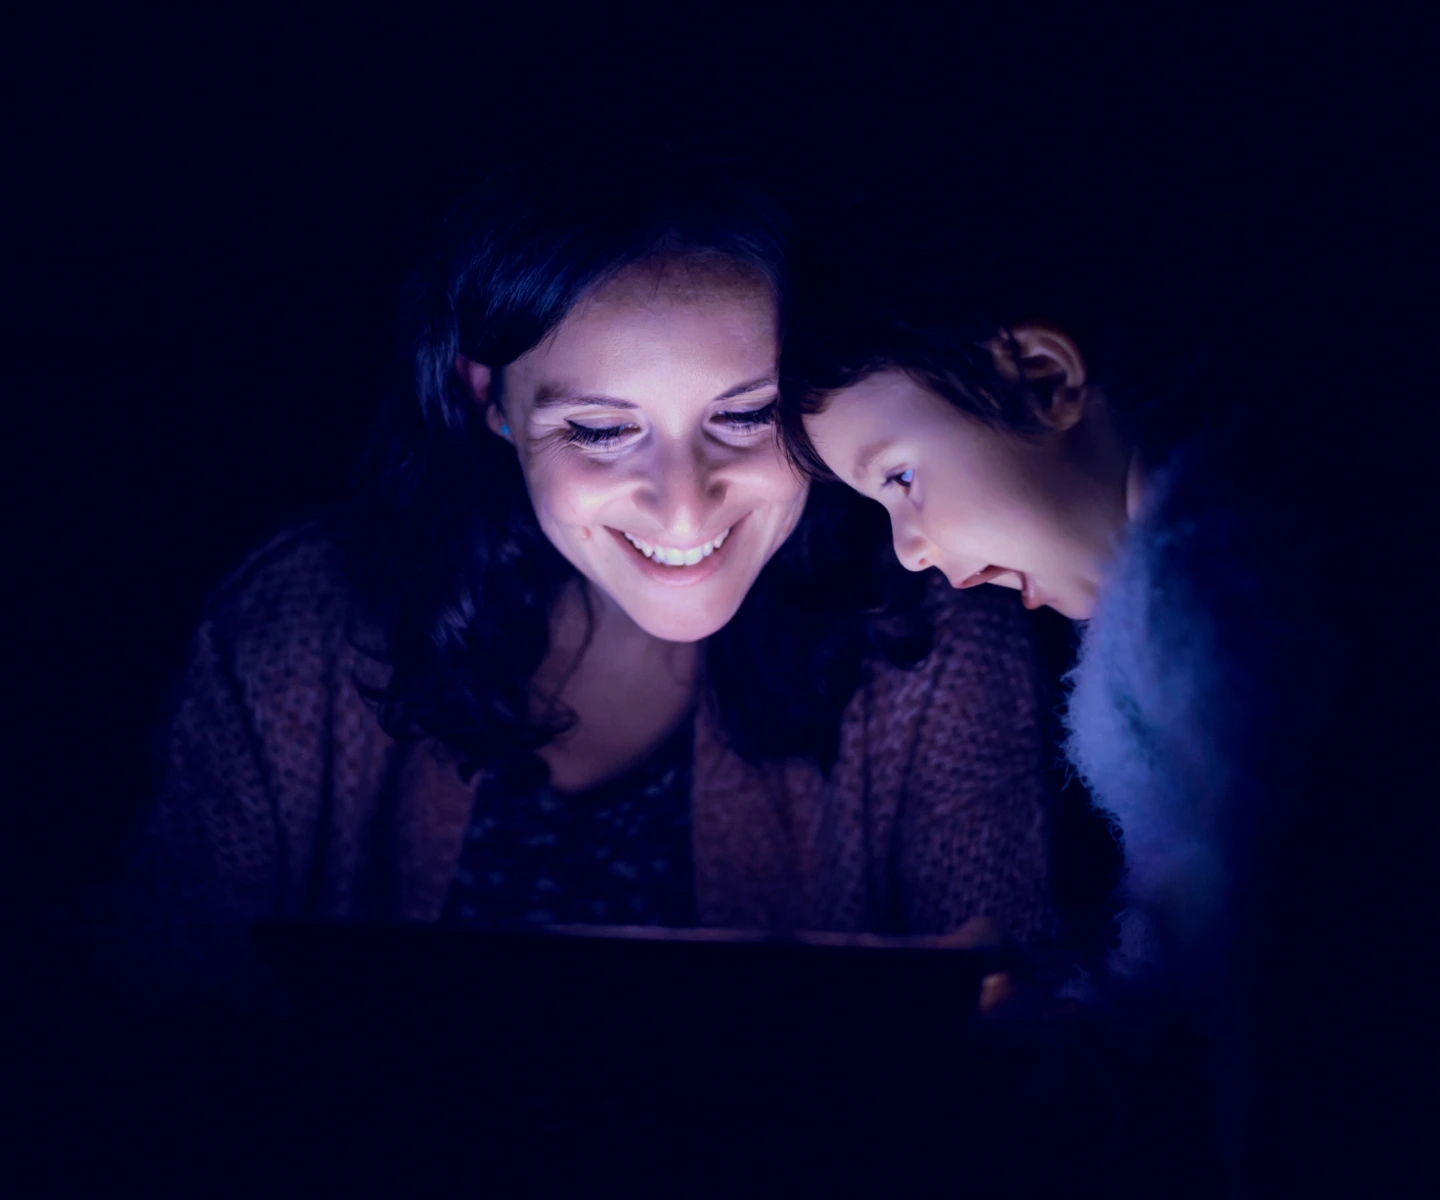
(581, 651)
(1220, 713)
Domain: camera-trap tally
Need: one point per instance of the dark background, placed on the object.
(216, 217)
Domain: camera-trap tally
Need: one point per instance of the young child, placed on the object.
(1231, 701)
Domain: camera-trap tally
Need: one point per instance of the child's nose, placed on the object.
(913, 550)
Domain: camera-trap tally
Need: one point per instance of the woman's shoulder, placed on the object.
(985, 627)
(299, 565)
(279, 656)
(290, 599)
(962, 616)
(979, 638)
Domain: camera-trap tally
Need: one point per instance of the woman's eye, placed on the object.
(588, 435)
(902, 479)
(752, 419)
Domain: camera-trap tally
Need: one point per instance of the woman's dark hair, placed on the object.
(443, 542)
(877, 292)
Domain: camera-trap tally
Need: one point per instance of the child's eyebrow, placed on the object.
(867, 455)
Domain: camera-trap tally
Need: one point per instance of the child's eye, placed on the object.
(588, 435)
(901, 478)
(752, 419)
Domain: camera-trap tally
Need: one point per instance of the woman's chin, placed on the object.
(670, 626)
(678, 602)
(668, 612)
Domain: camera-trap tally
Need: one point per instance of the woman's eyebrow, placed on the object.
(550, 395)
(753, 386)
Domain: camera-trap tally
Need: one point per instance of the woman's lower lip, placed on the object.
(679, 576)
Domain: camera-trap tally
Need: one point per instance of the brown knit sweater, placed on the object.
(284, 798)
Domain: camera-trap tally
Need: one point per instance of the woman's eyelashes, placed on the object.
(901, 479)
(743, 421)
(751, 418)
(589, 435)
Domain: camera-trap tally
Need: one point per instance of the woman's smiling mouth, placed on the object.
(679, 564)
(672, 557)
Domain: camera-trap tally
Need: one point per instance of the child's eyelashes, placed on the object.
(901, 479)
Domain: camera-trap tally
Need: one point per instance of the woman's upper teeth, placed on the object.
(677, 558)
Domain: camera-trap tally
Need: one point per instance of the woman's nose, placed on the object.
(684, 494)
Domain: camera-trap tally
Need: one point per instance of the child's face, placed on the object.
(982, 505)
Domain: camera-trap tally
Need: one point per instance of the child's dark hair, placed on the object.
(875, 292)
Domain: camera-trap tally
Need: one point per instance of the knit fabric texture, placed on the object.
(283, 798)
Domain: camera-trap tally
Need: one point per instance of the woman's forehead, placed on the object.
(687, 279)
(706, 340)
(649, 307)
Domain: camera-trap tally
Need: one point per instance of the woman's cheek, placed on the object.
(772, 489)
(574, 493)
(767, 476)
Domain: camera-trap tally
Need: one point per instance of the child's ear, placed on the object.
(1053, 366)
(476, 377)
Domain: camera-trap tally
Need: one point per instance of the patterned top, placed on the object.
(283, 798)
(616, 854)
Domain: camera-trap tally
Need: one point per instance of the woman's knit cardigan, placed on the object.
(284, 798)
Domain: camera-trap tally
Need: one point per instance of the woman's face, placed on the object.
(982, 505)
(645, 430)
